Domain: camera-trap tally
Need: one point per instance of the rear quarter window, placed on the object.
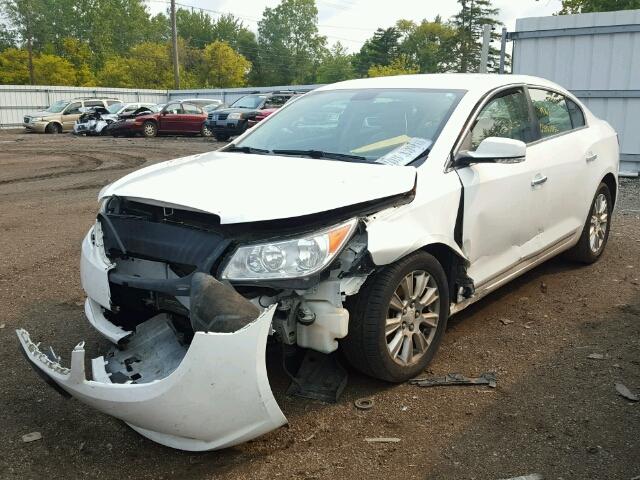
(551, 112)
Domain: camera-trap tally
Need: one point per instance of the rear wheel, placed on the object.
(595, 233)
(398, 319)
(149, 129)
(53, 128)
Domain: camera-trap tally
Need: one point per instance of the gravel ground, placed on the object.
(555, 411)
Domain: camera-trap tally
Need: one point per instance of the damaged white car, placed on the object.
(358, 217)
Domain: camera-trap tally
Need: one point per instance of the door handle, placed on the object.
(592, 157)
(538, 180)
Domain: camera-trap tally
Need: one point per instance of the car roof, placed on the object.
(476, 82)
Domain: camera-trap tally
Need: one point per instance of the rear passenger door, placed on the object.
(563, 156)
(192, 118)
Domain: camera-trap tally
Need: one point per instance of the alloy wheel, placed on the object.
(412, 318)
(599, 223)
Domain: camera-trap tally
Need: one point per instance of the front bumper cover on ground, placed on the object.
(217, 396)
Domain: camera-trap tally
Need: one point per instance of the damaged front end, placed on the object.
(187, 367)
(210, 393)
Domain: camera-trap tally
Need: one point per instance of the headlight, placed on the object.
(235, 116)
(294, 258)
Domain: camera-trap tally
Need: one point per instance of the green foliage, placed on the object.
(381, 49)
(586, 6)
(53, 70)
(401, 65)
(428, 44)
(335, 66)
(290, 47)
(223, 66)
(469, 23)
(13, 67)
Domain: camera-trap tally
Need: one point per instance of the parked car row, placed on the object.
(111, 116)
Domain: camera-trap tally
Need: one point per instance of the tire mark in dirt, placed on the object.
(85, 164)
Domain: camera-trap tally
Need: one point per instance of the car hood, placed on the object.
(243, 188)
(41, 113)
(250, 111)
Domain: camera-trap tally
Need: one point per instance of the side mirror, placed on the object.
(493, 150)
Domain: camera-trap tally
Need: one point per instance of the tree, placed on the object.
(381, 49)
(401, 65)
(196, 27)
(13, 67)
(290, 46)
(53, 70)
(429, 45)
(586, 6)
(79, 55)
(469, 23)
(223, 66)
(116, 72)
(335, 65)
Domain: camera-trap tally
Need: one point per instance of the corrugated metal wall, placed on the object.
(597, 57)
(19, 100)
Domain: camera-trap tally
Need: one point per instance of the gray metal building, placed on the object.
(597, 57)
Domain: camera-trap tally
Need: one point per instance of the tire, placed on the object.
(369, 348)
(149, 129)
(206, 131)
(53, 128)
(595, 232)
(222, 137)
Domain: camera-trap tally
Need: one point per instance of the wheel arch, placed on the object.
(610, 181)
(453, 264)
(54, 122)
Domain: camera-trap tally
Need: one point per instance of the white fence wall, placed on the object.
(18, 100)
(597, 57)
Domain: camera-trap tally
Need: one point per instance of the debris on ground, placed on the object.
(364, 403)
(309, 437)
(532, 476)
(2, 325)
(595, 356)
(31, 437)
(488, 378)
(506, 321)
(626, 393)
(543, 287)
(382, 440)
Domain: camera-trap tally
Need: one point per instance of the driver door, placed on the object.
(502, 220)
(70, 115)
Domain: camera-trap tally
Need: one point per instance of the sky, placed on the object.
(353, 21)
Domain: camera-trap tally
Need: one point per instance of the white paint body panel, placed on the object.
(250, 188)
(219, 396)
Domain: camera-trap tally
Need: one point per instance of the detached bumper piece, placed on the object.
(211, 394)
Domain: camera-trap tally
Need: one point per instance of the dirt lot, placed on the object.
(554, 412)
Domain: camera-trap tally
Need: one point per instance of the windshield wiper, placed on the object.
(320, 154)
(259, 151)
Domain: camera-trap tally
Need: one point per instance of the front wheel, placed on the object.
(595, 232)
(206, 131)
(398, 319)
(149, 129)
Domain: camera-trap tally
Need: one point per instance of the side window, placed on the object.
(174, 108)
(130, 108)
(551, 112)
(94, 103)
(505, 116)
(575, 112)
(73, 108)
(276, 101)
(190, 109)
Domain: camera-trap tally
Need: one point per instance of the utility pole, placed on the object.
(484, 53)
(174, 41)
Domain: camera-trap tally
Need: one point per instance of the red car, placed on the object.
(262, 114)
(176, 118)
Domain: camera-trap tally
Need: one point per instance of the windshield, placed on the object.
(249, 101)
(57, 107)
(391, 126)
(115, 107)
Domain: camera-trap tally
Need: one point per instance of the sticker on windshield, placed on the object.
(406, 153)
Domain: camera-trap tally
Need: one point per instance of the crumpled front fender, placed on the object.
(218, 396)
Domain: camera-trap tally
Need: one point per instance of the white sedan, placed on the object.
(360, 216)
